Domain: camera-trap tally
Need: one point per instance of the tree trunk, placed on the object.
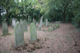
(0, 17)
(72, 7)
(63, 17)
(7, 16)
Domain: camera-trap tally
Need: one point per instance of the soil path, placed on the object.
(65, 39)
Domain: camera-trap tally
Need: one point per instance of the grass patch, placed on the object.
(54, 27)
(71, 49)
(50, 29)
(59, 48)
(44, 30)
(6, 34)
(78, 29)
(6, 51)
(52, 35)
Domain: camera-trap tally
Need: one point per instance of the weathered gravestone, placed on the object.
(25, 27)
(5, 28)
(34, 21)
(57, 21)
(33, 32)
(29, 19)
(13, 22)
(37, 24)
(41, 21)
(39, 28)
(46, 22)
(21, 21)
(19, 35)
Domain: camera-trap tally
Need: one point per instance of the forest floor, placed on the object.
(65, 39)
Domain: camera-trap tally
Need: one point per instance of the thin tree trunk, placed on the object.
(63, 16)
(0, 17)
(72, 7)
(22, 8)
(74, 13)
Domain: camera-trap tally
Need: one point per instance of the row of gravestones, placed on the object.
(19, 32)
(14, 22)
(5, 26)
(41, 22)
(20, 28)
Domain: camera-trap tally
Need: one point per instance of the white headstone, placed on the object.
(13, 22)
(41, 21)
(46, 22)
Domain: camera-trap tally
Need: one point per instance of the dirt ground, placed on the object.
(65, 39)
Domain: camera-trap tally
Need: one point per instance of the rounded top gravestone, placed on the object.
(4, 28)
(25, 25)
(19, 35)
(33, 32)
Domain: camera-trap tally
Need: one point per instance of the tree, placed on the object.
(7, 4)
(76, 11)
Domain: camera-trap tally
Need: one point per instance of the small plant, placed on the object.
(51, 24)
(52, 35)
(59, 48)
(57, 25)
(54, 27)
(6, 34)
(50, 29)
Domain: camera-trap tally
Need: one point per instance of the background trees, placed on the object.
(54, 10)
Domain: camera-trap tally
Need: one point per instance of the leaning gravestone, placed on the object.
(41, 21)
(13, 22)
(46, 22)
(19, 35)
(33, 33)
(25, 25)
(5, 28)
